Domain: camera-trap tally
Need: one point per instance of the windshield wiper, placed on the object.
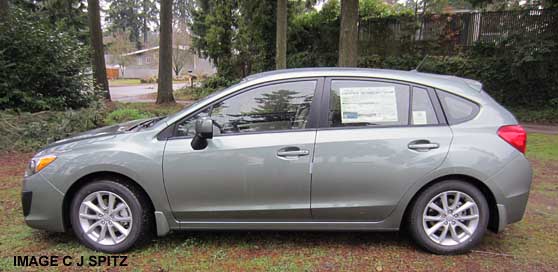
(147, 123)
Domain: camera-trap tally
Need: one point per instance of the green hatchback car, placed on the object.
(301, 149)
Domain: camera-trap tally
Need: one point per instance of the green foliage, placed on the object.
(193, 93)
(41, 67)
(239, 36)
(150, 80)
(379, 8)
(24, 131)
(519, 76)
(313, 37)
(152, 110)
(30, 131)
(69, 15)
(219, 36)
(209, 86)
(547, 115)
(255, 40)
(125, 114)
(218, 82)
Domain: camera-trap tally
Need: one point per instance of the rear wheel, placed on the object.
(109, 216)
(449, 217)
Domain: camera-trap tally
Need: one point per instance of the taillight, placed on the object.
(514, 135)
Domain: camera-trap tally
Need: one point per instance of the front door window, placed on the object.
(281, 106)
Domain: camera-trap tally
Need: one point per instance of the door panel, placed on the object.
(361, 174)
(240, 177)
(378, 137)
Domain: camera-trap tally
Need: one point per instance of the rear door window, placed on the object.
(368, 103)
(422, 111)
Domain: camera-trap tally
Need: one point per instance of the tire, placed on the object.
(473, 218)
(128, 202)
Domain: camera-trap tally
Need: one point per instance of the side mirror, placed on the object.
(204, 131)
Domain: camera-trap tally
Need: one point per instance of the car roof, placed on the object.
(445, 82)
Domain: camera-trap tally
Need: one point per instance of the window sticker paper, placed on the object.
(368, 104)
(419, 118)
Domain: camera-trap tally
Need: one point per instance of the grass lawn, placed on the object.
(134, 81)
(124, 82)
(530, 245)
(179, 95)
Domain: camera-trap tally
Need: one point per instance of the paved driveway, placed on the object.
(136, 93)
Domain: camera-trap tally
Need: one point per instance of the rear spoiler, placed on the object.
(475, 85)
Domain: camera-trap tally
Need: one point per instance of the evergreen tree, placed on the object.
(4, 9)
(149, 14)
(237, 35)
(255, 39)
(220, 23)
(134, 17)
(68, 14)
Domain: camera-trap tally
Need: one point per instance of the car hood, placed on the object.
(101, 132)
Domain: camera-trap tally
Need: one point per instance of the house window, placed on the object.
(147, 59)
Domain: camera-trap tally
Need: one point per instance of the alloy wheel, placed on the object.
(105, 218)
(450, 218)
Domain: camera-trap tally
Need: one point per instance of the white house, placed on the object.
(145, 63)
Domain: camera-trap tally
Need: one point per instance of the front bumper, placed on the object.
(42, 204)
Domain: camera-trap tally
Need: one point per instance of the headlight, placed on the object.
(38, 163)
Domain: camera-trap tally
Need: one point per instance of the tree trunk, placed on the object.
(145, 32)
(281, 35)
(98, 56)
(348, 34)
(164, 90)
(4, 9)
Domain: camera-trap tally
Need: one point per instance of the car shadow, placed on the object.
(293, 239)
(271, 240)
(248, 238)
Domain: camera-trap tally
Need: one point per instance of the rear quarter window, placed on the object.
(457, 108)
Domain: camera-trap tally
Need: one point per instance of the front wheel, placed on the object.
(108, 216)
(449, 217)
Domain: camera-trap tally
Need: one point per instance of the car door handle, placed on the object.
(422, 145)
(293, 153)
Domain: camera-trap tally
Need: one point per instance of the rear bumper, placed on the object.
(42, 204)
(513, 211)
(513, 184)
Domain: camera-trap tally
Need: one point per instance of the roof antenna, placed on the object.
(420, 64)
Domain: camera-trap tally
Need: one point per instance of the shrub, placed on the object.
(217, 82)
(517, 73)
(149, 108)
(149, 80)
(24, 131)
(544, 116)
(193, 93)
(123, 115)
(209, 86)
(42, 67)
(30, 131)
